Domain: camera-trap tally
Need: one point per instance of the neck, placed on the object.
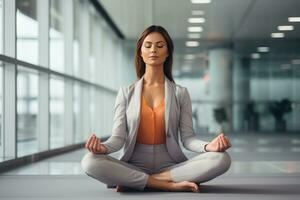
(154, 75)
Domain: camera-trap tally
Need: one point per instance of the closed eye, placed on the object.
(148, 45)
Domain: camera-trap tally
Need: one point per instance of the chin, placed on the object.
(155, 62)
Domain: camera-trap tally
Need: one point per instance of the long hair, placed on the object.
(140, 65)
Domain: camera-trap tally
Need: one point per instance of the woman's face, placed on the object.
(154, 50)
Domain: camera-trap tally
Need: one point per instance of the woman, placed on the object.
(148, 116)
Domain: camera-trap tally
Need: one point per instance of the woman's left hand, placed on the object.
(219, 144)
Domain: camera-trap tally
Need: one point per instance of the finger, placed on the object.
(228, 141)
(102, 148)
(98, 146)
(221, 145)
(219, 137)
(91, 146)
(95, 144)
(226, 145)
(88, 141)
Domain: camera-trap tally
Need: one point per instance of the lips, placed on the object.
(153, 57)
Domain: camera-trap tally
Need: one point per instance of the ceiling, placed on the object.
(241, 24)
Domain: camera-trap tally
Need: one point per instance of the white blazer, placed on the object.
(178, 121)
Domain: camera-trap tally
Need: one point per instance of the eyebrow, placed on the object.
(155, 42)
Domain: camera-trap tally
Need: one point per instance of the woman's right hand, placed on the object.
(94, 145)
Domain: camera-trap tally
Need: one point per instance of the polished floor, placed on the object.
(265, 166)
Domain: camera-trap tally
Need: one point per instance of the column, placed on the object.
(220, 87)
(241, 91)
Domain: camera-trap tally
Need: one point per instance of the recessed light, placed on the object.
(186, 69)
(189, 56)
(194, 35)
(285, 66)
(197, 12)
(195, 29)
(200, 1)
(277, 35)
(192, 43)
(285, 28)
(294, 19)
(263, 49)
(255, 55)
(296, 62)
(196, 20)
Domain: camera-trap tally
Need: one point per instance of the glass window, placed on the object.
(27, 31)
(92, 57)
(1, 111)
(56, 113)
(77, 109)
(1, 27)
(92, 110)
(57, 54)
(27, 112)
(76, 41)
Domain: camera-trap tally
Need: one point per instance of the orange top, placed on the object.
(152, 124)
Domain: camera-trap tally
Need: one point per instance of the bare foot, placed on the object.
(185, 186)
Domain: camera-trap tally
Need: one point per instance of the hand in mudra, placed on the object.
(219, 144)
(94, 145)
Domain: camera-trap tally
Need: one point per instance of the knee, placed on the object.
(91, 162)
(223, 161)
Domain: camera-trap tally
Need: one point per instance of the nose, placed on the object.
(153, 48)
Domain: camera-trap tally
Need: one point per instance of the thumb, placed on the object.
(102, 148)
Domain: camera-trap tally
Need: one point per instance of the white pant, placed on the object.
(151, 159)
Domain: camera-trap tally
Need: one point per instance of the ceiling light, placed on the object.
(296, 62)
(195, 29)
(277, 35)
(285, 28)
(196, 20)
(194, 35)
(255, 56)
(200, 1)
(192, 43)
(186, 69)
(285, 66)
(197, 12)
(263, 49)
(189, 56)
(294, 19)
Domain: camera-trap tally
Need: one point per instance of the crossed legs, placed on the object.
(198, 169)
(180, 177)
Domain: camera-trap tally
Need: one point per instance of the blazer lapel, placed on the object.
(137, 102)
(137, 99)
(168, 96)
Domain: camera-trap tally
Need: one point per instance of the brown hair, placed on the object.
(140, 64)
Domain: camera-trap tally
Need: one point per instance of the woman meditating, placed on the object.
(150, 116)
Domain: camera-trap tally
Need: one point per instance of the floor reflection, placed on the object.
(252, 155)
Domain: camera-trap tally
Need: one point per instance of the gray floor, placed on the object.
(265, 166)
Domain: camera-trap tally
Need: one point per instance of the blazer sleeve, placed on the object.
(119, 131)
(187, 134)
